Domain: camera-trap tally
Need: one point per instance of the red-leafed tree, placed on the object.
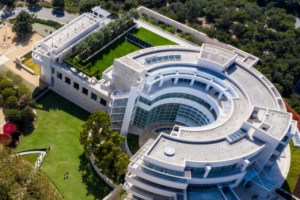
(5, 139)
(9, 128)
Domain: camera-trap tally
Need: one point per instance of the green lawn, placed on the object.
(151, 37)
(106, 58)
(31, 157)
(100, 62)
(58, 126)
(133, 142)
(294, 172)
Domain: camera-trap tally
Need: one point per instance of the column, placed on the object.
(192, 82)
(220, 96)
(149, 88)
(245, 164)
(161, 82)
(207, 170)
(207, 87)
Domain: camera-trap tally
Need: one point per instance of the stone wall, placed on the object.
(179, 27)
(76, 96)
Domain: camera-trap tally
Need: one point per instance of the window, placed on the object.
(85, 91)
(59, 75)
(76, 86)
(103, 102)
(53, 70)
(94, 96)
(280, 147)
(67, 80)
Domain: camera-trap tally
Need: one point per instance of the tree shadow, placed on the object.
(58, 12)
(94, 185)
(34, 8)
(286, 186)
(53, 101)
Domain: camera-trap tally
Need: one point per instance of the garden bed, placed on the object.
(28, 62)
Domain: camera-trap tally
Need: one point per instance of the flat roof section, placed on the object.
(73, 29)
(98, 10)
(202, 152)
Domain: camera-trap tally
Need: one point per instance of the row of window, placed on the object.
(168, 113)
(77, 87)
(176, 95)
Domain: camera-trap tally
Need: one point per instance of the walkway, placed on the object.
(39, 160)
(40, 12)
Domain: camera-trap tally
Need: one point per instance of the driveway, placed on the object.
(39, 12)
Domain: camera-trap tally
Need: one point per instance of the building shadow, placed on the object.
(94, 185)
(53, 101)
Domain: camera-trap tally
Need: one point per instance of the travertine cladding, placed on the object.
(76, 96)
(124, 73)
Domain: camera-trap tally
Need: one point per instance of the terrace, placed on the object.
(121, 47)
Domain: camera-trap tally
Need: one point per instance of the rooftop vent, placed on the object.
(169, 151)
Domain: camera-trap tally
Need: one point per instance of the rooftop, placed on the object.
(202, 152)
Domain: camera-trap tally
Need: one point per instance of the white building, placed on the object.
(227, 123)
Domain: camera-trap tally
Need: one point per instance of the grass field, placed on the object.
(133, 142)
(31, 157)
(151, 37)
(58, 126)
(106, 58)
(294, 172)
(30, 64)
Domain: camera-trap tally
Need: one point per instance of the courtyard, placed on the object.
(121, 47)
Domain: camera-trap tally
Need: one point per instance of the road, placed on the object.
(40, 12)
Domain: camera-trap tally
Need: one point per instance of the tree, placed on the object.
(7, 92)
(101, 141)
(11, 102)
(9, 3)
(15, 182)
(5, 83)
(27, 115)
(13, 115)
(22, 24)
(58, 4)
(32, 2)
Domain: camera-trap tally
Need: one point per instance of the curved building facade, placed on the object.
(220, 123)
(217, 121)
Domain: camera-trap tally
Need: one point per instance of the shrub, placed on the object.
(11, 102)
(25, 100)
(162, 26)
(5, 84)
(5, 139)
(189, 38)
(27, 115)
(13, 115)
(9, 128)
(7, 92)
(51, 23)
(152, 21)
(180, 35)
(170, 29)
